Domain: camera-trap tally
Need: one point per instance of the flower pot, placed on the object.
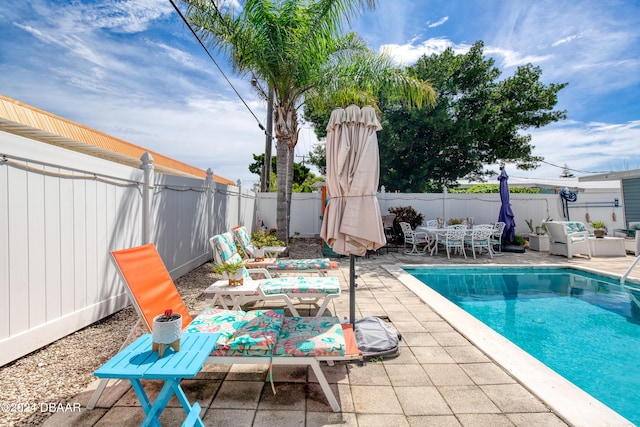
(234, 279)
(258, 254)
(599, 233)
(539, 231)
(165, 334)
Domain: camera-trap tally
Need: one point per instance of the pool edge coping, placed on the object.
(567, 400)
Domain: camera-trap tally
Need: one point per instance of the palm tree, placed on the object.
(297, 49)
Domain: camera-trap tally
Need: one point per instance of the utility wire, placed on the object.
(572, 170)
(260, 125)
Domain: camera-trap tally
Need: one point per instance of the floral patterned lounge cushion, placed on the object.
(301, 285)
(258, 335)
(303, 264)
(311, 336)
(218, 320)
(244, 240)
(224, 247)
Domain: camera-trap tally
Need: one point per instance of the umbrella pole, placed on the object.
(352, 289)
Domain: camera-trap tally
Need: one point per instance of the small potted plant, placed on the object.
(231, 271)
(165, 331)
(258, 253)
(599, 229)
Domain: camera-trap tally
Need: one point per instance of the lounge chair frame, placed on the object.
(152, 291)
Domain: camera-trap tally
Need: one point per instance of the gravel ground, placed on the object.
(60, 371)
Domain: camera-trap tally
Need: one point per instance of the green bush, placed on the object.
(262, 238)
(405, 214)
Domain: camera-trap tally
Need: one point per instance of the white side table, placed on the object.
(607, 246)
(539, 242)
(233, 296)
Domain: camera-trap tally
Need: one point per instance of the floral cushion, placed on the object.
(311, 336)
(268, 332)
(224, 247)
(575, 227)
(244, 240)
(303, 264)
(301, 285)
(226, 322)
(258, 335)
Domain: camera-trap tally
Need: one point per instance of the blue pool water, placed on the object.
(581, 325)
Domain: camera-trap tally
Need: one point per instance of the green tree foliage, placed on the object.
(302, 175)
(477, 120)
(318, 158)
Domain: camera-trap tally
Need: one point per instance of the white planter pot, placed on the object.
(258, 254)
(166, 334)
(234, 279)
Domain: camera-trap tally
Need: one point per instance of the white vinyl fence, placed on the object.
(306, 208)
(63, 212)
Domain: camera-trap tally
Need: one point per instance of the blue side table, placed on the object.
(137, 362)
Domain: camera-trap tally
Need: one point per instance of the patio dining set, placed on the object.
(454, 239)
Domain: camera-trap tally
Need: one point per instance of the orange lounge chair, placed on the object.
(152, 291)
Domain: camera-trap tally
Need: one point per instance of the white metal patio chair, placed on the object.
(415, 239)
(480, 238)
(451, 239)
(496, 237)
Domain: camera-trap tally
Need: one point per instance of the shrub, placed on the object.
(261, 238)
(405, 214)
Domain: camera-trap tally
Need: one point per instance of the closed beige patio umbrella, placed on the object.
(352, 223)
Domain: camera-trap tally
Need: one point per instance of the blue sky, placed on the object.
(130, 68)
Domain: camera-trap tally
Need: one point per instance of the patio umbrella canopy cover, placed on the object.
(506, 213)
(352, 222)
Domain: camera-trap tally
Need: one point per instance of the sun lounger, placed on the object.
(320, 265)
(308, 290)
(257, 337)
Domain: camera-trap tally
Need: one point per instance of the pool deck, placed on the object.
(450, 371)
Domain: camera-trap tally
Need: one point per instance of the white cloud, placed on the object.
(409, 53)
(564, 40)
(587, 147)
(437, 23)
(511, 58)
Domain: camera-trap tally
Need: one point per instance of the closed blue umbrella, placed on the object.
(506, 214)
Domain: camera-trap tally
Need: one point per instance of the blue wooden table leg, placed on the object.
(193, 412)
(144, 402)
(161, 402)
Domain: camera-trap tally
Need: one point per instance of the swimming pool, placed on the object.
(577, 323)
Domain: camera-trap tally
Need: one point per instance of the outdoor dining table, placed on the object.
(137, 362)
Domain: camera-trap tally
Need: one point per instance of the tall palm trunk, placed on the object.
(282, 210)
(286, 124)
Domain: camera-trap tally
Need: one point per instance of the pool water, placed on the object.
(583, 326)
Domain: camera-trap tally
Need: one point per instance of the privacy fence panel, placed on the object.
(61, 215)
(484, 208)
